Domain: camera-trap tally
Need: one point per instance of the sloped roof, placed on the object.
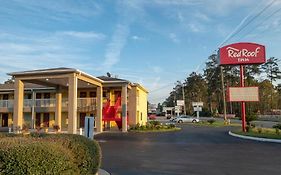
(111, 79)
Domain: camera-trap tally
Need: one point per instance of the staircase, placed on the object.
(110, 113)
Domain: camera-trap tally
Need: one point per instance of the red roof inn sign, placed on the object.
(242, 53)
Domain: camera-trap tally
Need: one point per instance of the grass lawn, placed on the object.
(261, 132)
(156, 130)
(216, 124)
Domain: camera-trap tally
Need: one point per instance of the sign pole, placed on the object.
(243, 108)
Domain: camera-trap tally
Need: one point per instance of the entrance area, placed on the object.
(5, 118)
(82, 120)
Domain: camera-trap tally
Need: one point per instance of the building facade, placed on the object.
(65, 96)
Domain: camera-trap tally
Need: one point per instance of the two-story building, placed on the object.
(64, 96)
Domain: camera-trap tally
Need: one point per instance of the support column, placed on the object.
(72, 104)
(99, 109)
(33, 109)
(18, 104)
(58, 109)
(124, 108)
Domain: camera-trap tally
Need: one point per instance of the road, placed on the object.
(193, 150)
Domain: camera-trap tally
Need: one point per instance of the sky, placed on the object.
(151, 42)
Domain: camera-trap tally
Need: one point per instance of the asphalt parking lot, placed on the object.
(193, 150)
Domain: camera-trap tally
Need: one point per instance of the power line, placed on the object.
(251, 20)
(252, 29)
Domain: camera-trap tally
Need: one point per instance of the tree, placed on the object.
(273, 72)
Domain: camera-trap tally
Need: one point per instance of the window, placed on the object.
(141, 116)
(83, 94)
(38, 95)
(47, 95)
(93, 94)
(5, 96)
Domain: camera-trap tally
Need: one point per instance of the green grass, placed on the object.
(216, 124)
(265, 133)
(156, 130)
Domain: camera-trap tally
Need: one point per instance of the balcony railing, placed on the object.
(6, 103)
(81, 102)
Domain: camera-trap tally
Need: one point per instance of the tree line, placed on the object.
(206, 87)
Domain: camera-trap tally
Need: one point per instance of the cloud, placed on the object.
(83, 35)
(137, 38)
(202, 16)
(174, 37)
(177, 2)
(114, 48)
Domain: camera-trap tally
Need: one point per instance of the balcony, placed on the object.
(50, 103)
(6, 103)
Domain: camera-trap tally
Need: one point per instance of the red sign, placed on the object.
(242, 53)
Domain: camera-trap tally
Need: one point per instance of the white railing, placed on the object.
(6, 103)
(27, 102)
(83, 102)
(51, 102)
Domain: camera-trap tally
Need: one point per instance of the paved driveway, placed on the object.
(193, 150)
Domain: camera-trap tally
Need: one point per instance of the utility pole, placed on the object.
(223, 95)
(183, 98)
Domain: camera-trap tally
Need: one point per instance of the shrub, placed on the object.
(248, 128)
(35, 158)
(250, 117)
(259, 130)
(211, 121)
(154, 123)
(158, 127)
(87, 153)
(277, 131)
(277, 126)
(171, 125)
(56, 128)
(49, 154)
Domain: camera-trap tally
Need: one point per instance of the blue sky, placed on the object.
(152, 42)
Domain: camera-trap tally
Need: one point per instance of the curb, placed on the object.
(102, 172)
(254, 138)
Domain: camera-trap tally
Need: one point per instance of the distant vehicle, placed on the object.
(185, 118)
(169, 117)
(160, 114)
(152, 117)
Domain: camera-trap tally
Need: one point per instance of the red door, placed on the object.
(46, 119)
(5, 118)
(38, 120)
(82, 120)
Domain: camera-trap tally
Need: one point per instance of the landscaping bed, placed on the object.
(215, 123)
(48, 154)
(154, 126)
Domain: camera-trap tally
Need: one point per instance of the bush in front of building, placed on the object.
(79, 153)
(27, 156)
(87, 153)
(153, 125)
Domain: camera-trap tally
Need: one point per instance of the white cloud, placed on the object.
(137, 38)
(83, 35)
(178, 2)
(194, 27)
(114, 48)
(174, 37)
(202, 16)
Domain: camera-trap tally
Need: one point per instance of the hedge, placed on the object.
(49, 154)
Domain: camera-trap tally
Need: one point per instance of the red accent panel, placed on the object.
(242, 53)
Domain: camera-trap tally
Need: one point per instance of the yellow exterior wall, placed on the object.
(137, 106)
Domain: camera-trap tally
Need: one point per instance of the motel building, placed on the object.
(64, 96)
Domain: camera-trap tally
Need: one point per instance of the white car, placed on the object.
(185, 118)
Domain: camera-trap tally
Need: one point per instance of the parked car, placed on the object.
(185, 118)
(152, 117)
(169, 117)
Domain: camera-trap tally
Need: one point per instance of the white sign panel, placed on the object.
(180, 102)
(197, 108)
(238, 94)
(197, 104)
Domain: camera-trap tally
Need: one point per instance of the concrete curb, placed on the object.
(254, 138)
(102, 172)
